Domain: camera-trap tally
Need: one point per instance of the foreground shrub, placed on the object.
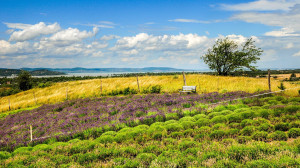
(294, 132)
(279, 136)
(218, 134)
(219, 119)
(260, 136)
(243, 139)
(248, 130)
(266, 127)
(282, 126)
(145, 159)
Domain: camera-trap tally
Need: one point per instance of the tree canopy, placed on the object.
(226, 56)
(24, 80)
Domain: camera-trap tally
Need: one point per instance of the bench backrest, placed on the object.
(188, 88)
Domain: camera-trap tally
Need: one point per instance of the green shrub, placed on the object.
(292, 109)
(236, 117)
(243, 139)
(294, 124)
(198, 116)
(155, 89)
(266, 127)
(265, 113)
(174, 127)
(233, 132)
(204, 129)
(279, 136)
(294, 132)
(4, 155)
(172, 116)
(248, 130)
(282, 126)
(145, 159)
(202, 122)
(105, 139)
(219, 126)
(218, 134)
(260, 164)
(112, 133)
(219, 119)
(260, 136)
(185, 144)
(234, 125)
(177, 135)
(246, 122)
(187, 118)
(23, 150)
(188, 124)
(157, 136)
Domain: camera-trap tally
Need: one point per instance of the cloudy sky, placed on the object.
(148, 33)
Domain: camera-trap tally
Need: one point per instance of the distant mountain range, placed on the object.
(109, 70)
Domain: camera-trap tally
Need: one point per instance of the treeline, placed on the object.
(39, 72)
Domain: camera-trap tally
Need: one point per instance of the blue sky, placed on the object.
(129, 33)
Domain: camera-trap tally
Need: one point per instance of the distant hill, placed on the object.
(110, 70)
(36, 72)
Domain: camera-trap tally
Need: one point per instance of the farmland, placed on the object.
(110, 86)
(158, 131)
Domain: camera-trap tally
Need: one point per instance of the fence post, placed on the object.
(269, 80)
(137, 79)
(30, 133)
(184, 81)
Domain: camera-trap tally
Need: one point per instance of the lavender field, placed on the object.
(86, 118)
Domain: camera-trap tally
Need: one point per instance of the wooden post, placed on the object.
(269, 80)
(30, 133)
(184, 81)
(9, 103)
(137, 79)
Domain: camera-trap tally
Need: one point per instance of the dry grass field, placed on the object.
(170, 84)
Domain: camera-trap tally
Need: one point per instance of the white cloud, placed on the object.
(288, 21)
(282, 33)
(262, 5)
(72, 35)
(29, 32)
(297, 54)
(188, 21)
(109, 37)
(289, 45)
(6, 48)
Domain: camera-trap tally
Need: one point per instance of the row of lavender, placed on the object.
(75, 117)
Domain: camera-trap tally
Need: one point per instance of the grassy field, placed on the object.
(169, 84)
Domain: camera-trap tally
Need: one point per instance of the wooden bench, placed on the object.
(188, 89)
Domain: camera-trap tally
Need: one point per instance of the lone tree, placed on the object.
(226, 56)
(24, 80)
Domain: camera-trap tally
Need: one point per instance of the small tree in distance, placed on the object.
(226, 56)
(24, 80)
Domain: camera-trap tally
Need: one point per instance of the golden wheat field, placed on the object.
(170, 84)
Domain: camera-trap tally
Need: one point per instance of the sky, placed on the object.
(148, 33)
